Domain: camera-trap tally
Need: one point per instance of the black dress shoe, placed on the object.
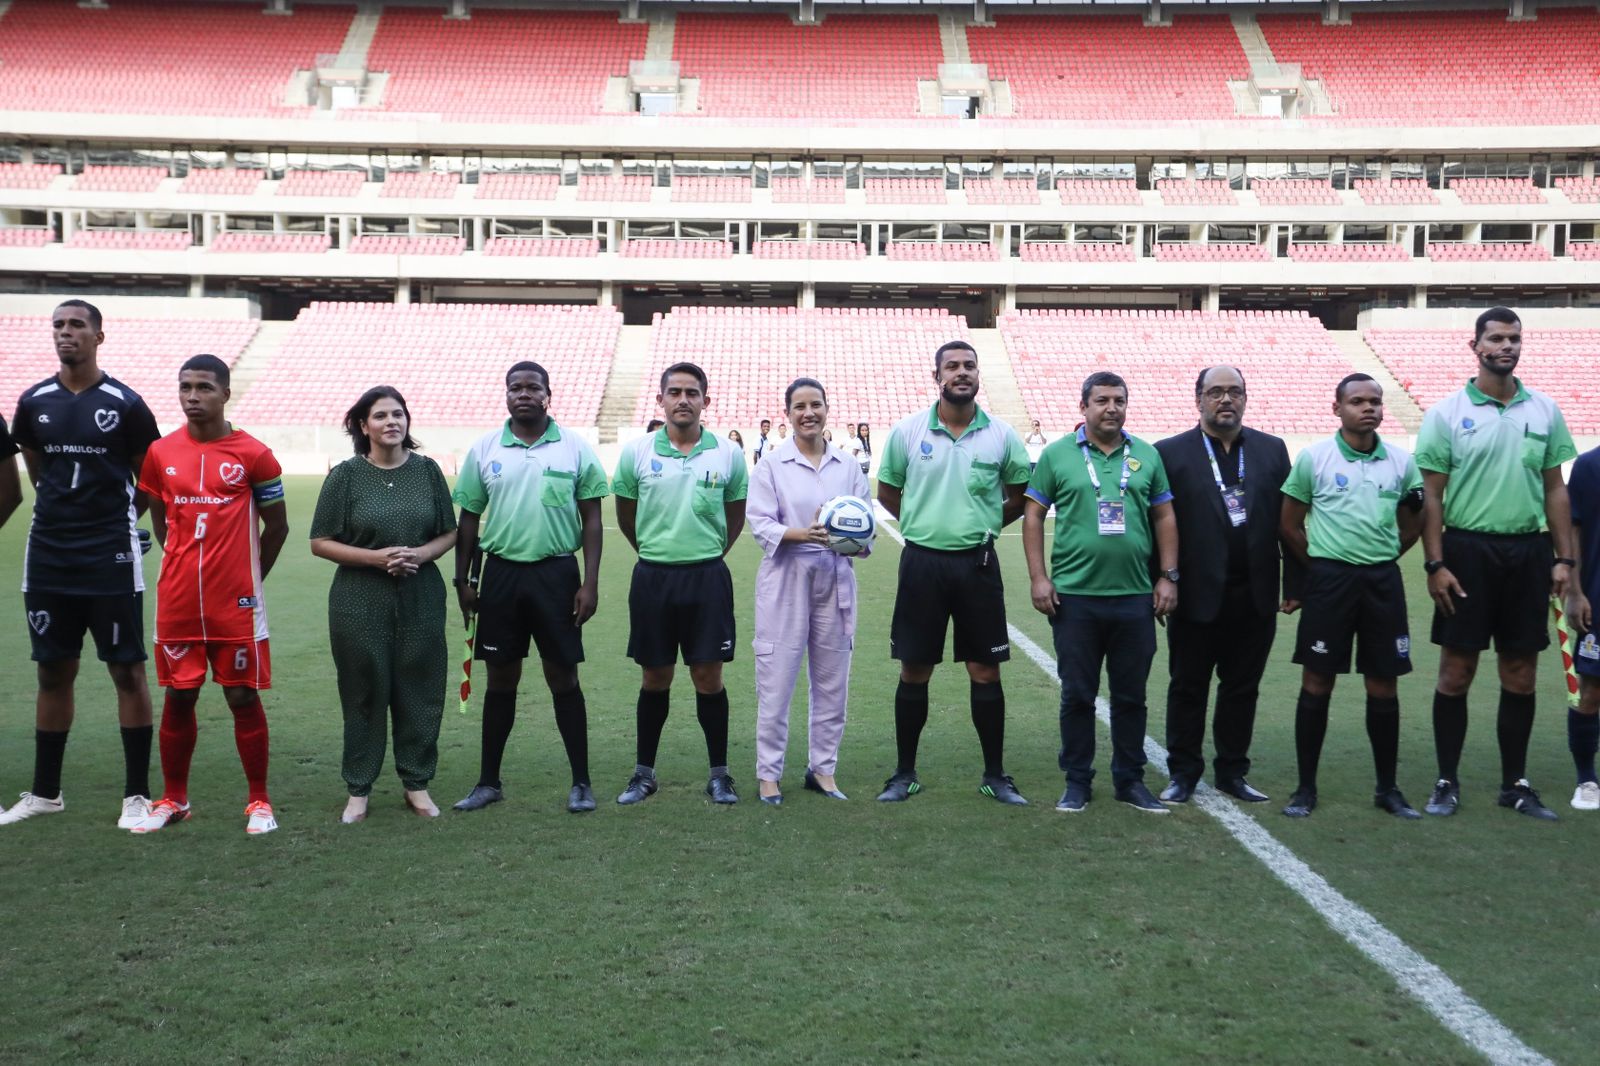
(720, 789)
(1138, 797)
(581, 798)
(1177, 791)
(1393, 802)
(812, 785)
(774, 800)
(480, 797)
(1240, 789)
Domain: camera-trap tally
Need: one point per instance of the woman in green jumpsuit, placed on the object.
(384, 516)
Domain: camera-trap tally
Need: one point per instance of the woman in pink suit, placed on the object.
(805, 593)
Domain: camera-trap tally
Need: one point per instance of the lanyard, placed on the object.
(1216, 473)
(1094, 478)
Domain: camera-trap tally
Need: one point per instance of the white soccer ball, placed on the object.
(850, 524)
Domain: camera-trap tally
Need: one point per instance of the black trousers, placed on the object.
(1235, 646)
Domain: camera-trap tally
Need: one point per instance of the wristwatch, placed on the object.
(470, 582)
(1171, 575)
(1433, 566)
(1559, 561)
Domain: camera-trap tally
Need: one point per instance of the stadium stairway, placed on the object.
(257, 356)
(622, 387)
(1002, 396)
(1396, 400)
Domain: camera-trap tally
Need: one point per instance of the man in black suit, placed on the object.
(1228, 484)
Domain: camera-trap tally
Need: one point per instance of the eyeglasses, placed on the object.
(1218, 392)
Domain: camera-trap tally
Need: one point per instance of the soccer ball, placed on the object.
(850, 524)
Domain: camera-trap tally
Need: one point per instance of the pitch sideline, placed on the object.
(1416, 976)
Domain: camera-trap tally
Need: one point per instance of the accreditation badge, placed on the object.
(1233, 500)
(1113, 520)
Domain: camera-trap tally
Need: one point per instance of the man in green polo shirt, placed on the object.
(530, 497)
(1113, 520)
(1363, 497)
(1491, 459)
(680, 502)
(952, 476)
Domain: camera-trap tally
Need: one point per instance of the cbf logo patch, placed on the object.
(107, 419)
(927, 451)
(39, 620)
(1590, 648)
(1402, 647)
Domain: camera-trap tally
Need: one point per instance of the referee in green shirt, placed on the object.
(952, 476)
(1351, 507)
(680, 502)
(1113, 520)
(1491, 459)
(530, 497)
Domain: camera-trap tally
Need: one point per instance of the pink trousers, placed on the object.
(805, 605)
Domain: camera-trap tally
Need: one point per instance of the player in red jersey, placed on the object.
(216, 506)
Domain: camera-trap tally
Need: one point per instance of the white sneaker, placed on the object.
(261, 819)
(1586, 797)
(135, 809)
(31, 805)
(163, 812)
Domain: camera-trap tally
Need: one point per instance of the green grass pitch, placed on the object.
(947, 929)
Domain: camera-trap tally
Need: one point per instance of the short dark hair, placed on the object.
(1200, 382)
(802, 383)
(766, 421)
(653, 425)
(209, 364)
(1351, 379)
(685, 368)
(91, 312)
(363, 407)
(1494, 314)
(1103, 379)
(528, 364)
(938, 356)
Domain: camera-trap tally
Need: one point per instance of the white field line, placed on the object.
(1416, 976)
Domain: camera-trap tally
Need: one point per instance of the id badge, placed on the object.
(1112, 521)
(1233, 500)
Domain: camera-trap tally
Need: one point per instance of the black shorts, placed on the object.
(1341, 602)
(1507, 581)
(687, 607)
(519, 601)
(936, 587)
(58, 620)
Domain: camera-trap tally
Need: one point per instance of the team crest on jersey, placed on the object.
(1466, 423)
(927, 451)
(1341, 482)
(107, 419)
(655, 467)
(39, 620)
(175, 651)
(232, 474)
(494, 468)
(1133, 466)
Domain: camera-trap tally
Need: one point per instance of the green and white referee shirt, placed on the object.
(531, 491)
(680, 518)
(953, 488)
(1353, 496)
(1496, 455)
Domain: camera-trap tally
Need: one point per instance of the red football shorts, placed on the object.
(232, 665)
